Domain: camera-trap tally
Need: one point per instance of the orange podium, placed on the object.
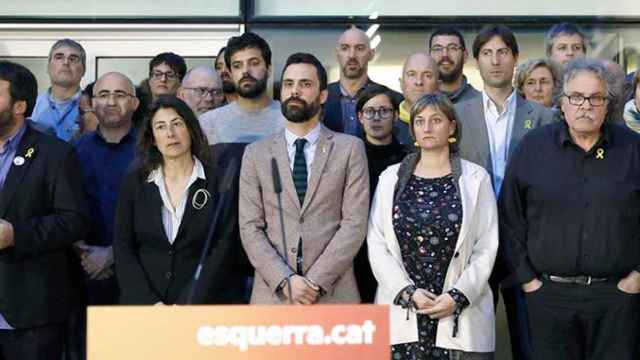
(259, 332)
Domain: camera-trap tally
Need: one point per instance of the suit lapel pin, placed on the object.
(600, 154)
(30, 153)
(18, 160)
(324, 149)
(528, 124)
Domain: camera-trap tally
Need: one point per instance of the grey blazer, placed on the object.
(332, 221)
(474, 144)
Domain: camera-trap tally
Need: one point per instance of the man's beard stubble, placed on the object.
(253, 91)
(7, 123)
(301, 113)
(454, 75)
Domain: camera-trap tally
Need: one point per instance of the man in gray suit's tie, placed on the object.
(325, 199)
(494, 122)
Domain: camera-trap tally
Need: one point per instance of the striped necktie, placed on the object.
(300, 170)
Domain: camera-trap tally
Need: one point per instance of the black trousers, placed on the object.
(584, 322)
(41, 343)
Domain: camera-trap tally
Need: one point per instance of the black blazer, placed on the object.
(44, 201)
(149, 269)
(333, 109)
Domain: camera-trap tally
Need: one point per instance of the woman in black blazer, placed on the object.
(164, 212)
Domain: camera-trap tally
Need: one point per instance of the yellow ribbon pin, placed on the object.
(600, 154)
(528, 124)
(29, 153)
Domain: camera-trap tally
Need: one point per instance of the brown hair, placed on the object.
(442, 103)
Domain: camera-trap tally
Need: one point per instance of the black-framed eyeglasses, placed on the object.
(594, 100)
(203, 91)
(158, 75)
(438, 49)
(382, 112)
(118, 95)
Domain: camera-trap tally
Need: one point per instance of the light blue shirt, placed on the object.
(60, 116)
(312, 138)
(499, 128)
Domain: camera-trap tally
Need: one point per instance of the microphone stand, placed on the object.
(277, 188)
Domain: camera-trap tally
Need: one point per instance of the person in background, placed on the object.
(446, 46)
(202, 90)
(58, 108)
(432, 239)
(354, 54)
(164, 212)
(228, 87)
(538, 80)
(565, 42)
(377, 111)
(88, 121)
(632, 107)
(166, 71)
(420, 76)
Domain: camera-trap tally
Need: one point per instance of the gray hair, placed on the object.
(564, 29)
(526, 68)
(207, 71)
(597, 68)
(72, 45)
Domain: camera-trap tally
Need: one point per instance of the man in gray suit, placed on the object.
(325, 199)
(494, 122)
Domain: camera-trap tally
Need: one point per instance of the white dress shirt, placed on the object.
(172, 217)
(312, 138)
(499, 128)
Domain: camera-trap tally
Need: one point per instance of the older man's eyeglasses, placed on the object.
(382, 112)
(203, 91)
(578, 99)
(451, 48)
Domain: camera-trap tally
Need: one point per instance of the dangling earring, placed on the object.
(452, 140)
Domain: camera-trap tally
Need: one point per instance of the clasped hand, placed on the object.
(303, 291)
(436, 307)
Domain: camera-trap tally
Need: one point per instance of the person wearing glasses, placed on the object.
(538, 80)
(164, 212)
(377, 110)
(432, 241)
(498, 119)
(201, 89)
(58, 108)
(166, 71)
(446, 46)
(569, 223)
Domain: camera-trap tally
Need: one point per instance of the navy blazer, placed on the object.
(149, 269)
(44, 200)
(333, 108)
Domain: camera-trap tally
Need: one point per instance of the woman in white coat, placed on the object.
(432, 242)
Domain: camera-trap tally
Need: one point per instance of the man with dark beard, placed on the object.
(447, 48)
(43, 211)
(325, 198)
(229, 90)
(254, 115)
(354, 53)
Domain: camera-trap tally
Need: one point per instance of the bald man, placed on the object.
(105, 155)
(354, 54)
(420, 76)
(202, 90)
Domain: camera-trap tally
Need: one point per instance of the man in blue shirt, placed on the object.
(105, 155)
(58, 107)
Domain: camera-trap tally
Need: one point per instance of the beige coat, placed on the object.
(331, 223)
(468, 271)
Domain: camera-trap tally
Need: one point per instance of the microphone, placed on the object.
(227, 181)
(277, 188)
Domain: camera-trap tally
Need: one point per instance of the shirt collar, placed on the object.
(312, 136)
(12, 143)
(74, 98)
(156, 176)
(131, 135)
(510, 102)
(344, 92)
(564, 137)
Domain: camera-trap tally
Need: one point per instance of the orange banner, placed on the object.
(238, 332)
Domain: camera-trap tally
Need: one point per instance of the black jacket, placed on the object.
(149, 269)
(44, 201)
